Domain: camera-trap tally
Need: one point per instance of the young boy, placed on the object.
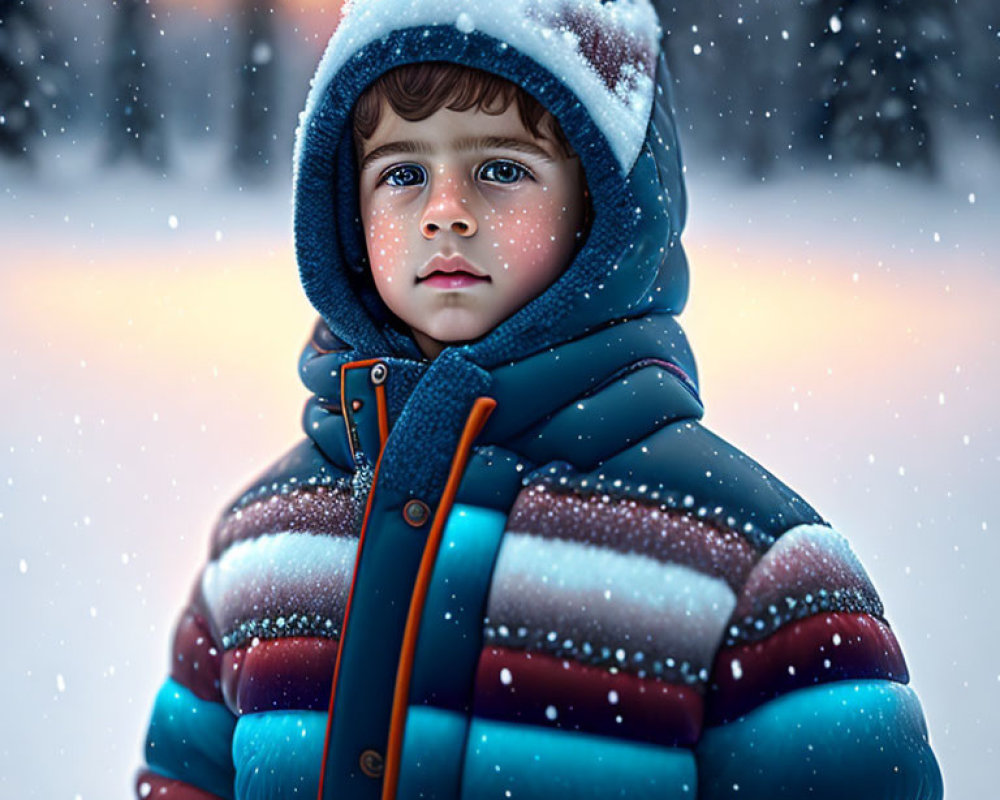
(508, 561)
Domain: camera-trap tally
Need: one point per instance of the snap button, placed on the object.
(356, 405)
(378, 373)
(415, 512)
(372, 763)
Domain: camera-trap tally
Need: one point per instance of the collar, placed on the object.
(414, 410)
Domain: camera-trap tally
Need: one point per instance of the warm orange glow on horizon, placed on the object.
(748, 321)
(313, 21)
(166, 329)
(325, 9)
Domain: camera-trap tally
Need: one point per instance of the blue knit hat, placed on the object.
(597, 67)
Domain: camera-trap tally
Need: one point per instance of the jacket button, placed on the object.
(416, 512)
(356, 405)
(378, 373)
(372, 763)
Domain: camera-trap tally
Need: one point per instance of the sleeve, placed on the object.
(808, 695)
(190, 735)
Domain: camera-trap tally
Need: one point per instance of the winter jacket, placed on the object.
(525, 568)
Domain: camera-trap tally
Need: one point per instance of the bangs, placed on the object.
(416, 91)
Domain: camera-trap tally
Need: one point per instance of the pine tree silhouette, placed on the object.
(881, 62)
(255, 97)
(135, 125)
(29, 79)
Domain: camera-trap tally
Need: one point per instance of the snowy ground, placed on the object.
(846, 334)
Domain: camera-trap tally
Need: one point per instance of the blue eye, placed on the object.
(504, 172)
(404, 175)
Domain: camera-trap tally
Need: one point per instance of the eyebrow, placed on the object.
(462, 145)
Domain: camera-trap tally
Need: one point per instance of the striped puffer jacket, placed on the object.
(525, 568)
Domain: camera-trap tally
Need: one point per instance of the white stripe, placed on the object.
(313, 571)
(608, 598)
(829, 545)
(803, 559)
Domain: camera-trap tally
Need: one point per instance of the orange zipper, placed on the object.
(481, 410)
(383, 425)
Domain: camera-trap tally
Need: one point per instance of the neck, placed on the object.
(430, 347)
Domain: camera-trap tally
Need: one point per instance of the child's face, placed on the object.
(477, 192)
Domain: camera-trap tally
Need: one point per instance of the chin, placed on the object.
(454, 334)
(461, 338)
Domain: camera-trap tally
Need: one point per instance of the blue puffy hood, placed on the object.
(598, 68)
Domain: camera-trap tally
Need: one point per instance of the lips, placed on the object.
(451, 269)
(452, 280)
(458, 273)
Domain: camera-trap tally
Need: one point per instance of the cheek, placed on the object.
(387, 247)
(534, 234)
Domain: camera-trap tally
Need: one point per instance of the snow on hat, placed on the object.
(604, 51)
(597, 67)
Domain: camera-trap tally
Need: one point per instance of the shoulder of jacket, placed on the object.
(302, 490)
(685, 468)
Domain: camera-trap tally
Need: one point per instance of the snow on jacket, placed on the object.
(525, 568)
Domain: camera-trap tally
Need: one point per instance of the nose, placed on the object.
(448, 209)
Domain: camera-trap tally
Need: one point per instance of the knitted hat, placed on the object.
(605, 52)
(597, 67)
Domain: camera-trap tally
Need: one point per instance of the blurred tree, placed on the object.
(977, 95)
(760, 37)
(30, 80)
(135, 125)
(880, 62)
(697, 65)
(255, 132)
(737, 76)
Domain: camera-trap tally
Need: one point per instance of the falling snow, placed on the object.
(120, 290)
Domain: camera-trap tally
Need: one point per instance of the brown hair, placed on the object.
(416, 91)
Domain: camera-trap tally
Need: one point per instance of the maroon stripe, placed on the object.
(150, 784)
(307, 603)
(818, 649)
(516, 686)
(806, 562)
(629, 525)
(293, 673)
(314, 510)
(809, 570)
(196, 660)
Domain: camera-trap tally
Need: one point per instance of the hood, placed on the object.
(598, 68)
